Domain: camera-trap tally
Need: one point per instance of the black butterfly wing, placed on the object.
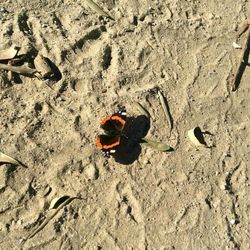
(107, 143)
(114, 124)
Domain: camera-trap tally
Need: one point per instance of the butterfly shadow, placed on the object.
(129, 149)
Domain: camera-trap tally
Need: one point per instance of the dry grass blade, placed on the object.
(49, 218)
(7, 159)
(157, 145)
(243, 58)
(142, 110)
(166, 110)
(242, 28)
(23, 70)
(10, 53)
(98, 9)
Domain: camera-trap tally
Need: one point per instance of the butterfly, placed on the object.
(113, 127)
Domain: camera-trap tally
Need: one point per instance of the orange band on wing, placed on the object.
(101, 146)
(118, 118)
(98, 143)
(103, 121)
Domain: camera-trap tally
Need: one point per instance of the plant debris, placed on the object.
(51, 215)
(156, 145)
(243, 62)
(9, 53)
(166, 110)
(7, 159)
(16, 55)
(97, 9)
(23, 70)
(42, 67)
(56, 202)
(196, 137)
(142, 110)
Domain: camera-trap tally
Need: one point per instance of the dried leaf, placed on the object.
(196, 137)
(25, 50)
(47, 190)
(42, 66)
(156, 145)
(56, 202)
(10, 53)
(98, 9)
(23, 70)
(7, 159)
(50, 216)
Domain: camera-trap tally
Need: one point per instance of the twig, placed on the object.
(23, 70)
(166, 110)
(242, 62)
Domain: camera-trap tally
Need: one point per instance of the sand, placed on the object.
(191, 198)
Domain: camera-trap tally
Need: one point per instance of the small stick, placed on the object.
(242, 62)
(166, 110)
(23, 70)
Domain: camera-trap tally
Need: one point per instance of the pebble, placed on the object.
(232, 221)
(91, 172)
(223, 187)
(3, 10)
(2, 141)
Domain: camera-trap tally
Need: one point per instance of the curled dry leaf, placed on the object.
(196, 137)
(47, 190)
(9, 53)
(7, 159)
(23, 70)
(56, 202)
(156, 145)
(42, 66)
(50, 216)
